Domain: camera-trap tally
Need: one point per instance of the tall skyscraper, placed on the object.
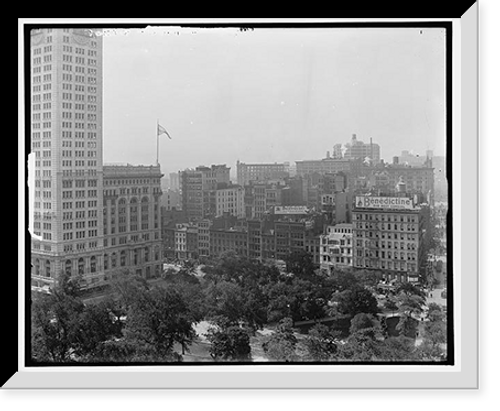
(66, 140)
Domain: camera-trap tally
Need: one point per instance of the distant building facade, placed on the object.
(230, 199)
(247, 173)
(357, 150)
(198, 190)
(326, 165)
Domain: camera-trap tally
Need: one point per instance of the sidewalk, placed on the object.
(435, 297)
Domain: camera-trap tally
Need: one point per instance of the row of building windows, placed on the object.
(44, 106)
(80, 224)
(134, 238)
(389, 265)
(79, 153)
(397, 245)
(69, 215)
(76, 134)
(387, 254)
(385, 235)
(39, 69)
(133, 181)
(38, 60)
(79, 183)
(69, 205)
(386, 226)
(79, 163)
(385, 217)
(79, 193)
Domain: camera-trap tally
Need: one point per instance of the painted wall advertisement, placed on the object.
(291, 210)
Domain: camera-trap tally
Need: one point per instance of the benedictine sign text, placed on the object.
(384, 202)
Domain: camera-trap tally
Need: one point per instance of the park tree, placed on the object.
(321, 343)
(367, 278)
(366, 322)
(64, 329)
(300, 264)
(390, 304)
(127, 288)
(54, 326)
(229, 342)
(434, 334)
(359, 346)
(400, 348)
(97, 323)
(409, 289)
(281, 345)
(356, 300)
(158, 318)
(344, 280)
(237, 304)
(409, 307)
(297, 298)
(435, 312)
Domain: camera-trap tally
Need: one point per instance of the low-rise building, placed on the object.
(336, 247)
(233, 239)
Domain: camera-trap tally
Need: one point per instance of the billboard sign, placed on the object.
(291, 210)
(398, 203)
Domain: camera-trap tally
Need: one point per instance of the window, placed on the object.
(81, 266)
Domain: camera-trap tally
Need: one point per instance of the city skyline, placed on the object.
(96, 226)
(226, 95)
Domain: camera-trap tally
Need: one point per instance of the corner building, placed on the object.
(132, 221)
(388, 236)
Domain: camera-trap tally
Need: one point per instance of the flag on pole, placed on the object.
(161, 130)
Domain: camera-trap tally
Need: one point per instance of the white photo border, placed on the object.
(464, 374)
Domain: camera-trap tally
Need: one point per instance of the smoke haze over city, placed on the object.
(270, 94)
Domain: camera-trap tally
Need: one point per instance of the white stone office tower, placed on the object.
(66, 139)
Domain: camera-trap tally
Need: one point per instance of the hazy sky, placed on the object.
(280, 94)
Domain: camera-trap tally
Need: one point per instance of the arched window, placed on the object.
(37, 267)
(67, 267)
(113, 260)
(47, 268)
(122, 215)
(136, 257)
(122, 258)
(146, 254)
(144, 213)
(93, 264)
(81, 266)
(157, 253)
(134, 214)
(105, 261)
